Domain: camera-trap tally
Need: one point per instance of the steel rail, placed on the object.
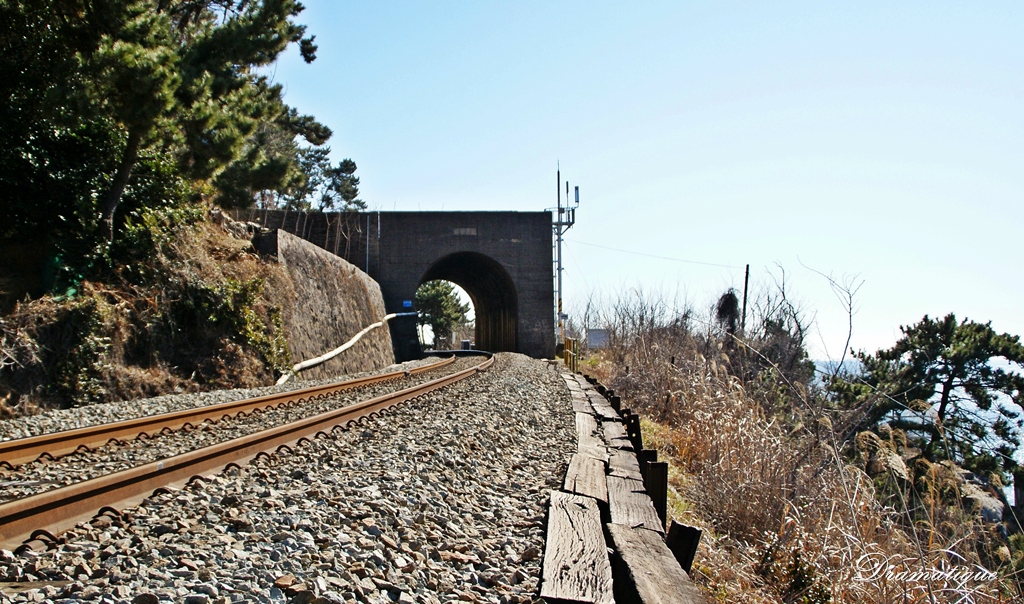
(60, 509)
(57, 444)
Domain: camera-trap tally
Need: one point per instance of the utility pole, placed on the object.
(746, 282)
(564, 219)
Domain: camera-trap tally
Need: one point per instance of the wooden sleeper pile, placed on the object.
(604, 507)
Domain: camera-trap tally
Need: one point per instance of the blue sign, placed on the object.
(406, 303)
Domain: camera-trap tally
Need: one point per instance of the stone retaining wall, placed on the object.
(333, 300)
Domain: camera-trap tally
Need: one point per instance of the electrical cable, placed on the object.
(605, 247)
(577, 265)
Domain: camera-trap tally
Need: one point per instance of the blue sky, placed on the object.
(879, 140)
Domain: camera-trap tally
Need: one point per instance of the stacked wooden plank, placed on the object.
(603, 506)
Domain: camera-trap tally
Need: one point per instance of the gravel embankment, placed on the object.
(92, 415)
(441, 500)
(44, 475)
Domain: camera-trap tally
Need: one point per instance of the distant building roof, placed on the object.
(597, 338)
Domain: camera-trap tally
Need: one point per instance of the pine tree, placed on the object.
(94, 90)
(955, 386)
(440, 308)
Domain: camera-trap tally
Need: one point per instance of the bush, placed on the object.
(789, 517)
(181, 306)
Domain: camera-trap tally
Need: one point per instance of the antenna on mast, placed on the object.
(564, 219)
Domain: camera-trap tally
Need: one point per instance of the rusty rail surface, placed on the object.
(57, 444)
(48, 513)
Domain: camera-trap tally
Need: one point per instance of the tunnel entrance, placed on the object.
(502, 258)
(492, 292)
(446, 317)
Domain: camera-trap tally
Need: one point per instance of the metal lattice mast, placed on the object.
(564, 220)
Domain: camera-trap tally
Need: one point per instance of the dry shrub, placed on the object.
(185, 307)
(788, 518)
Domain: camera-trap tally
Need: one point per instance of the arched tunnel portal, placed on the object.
(502, 259)
(492, 291)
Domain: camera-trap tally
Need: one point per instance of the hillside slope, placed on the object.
(188, 306)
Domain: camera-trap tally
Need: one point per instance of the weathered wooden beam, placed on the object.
(646, 571)
(576, 566)
(589, 441)
(632, 422)
(612, 430)
(586, 425)
(581, 405)
(656, 482)
(624, 464)
(603, 409)
(631, 491)
(586, 477)
(615, 436)
(682, 541)
(645, 457)
(629, 504)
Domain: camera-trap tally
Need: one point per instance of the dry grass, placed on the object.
(785, 521)
(787, 517)
(178, 319)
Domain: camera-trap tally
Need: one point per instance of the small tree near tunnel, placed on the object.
(440, 308)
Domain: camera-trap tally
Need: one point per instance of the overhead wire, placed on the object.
(605, 247)
(577, 265)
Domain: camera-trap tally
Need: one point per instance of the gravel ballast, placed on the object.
(46, 474)
(56, 420)
(440, 500)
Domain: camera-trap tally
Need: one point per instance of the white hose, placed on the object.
(340, 349)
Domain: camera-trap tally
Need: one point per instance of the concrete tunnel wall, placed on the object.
(502, 259)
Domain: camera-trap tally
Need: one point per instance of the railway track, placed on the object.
(34, 520)
(58, 444)
(45, 473)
